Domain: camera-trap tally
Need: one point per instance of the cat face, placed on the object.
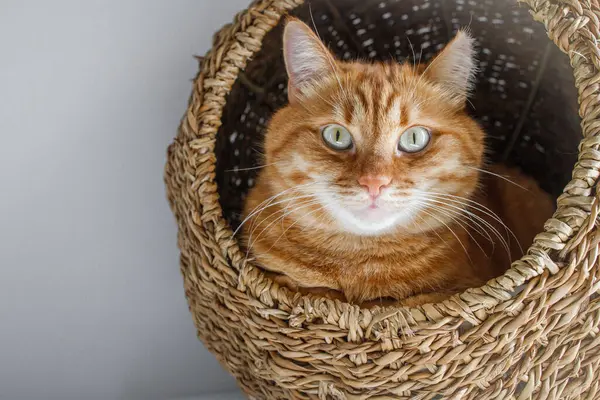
(373, 148)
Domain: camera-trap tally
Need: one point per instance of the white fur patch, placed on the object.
(354, 215)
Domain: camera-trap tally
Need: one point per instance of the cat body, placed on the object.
(372, 185)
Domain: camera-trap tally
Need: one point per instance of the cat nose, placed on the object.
(374, 184)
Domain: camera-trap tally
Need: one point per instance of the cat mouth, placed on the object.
(372, 211)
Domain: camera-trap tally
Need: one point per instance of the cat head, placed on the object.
(376, 146)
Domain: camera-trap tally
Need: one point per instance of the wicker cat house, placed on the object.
(533, 333)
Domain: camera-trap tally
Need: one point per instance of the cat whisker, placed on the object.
(464, 212)
(423, 220)
(473, 221)
(483, 171)
(481, 230)
(257, 212)
(277, 215)
(431, 229)
(412, 48)
(504, 241)
(250, 244)
(282, 210)
(265, 202)
(253, 168)
(450, 230)
(476, 206)
(474, 218)
(294, 224)
(419, 104)
(322, 210)
(452, 216)
(332, 194)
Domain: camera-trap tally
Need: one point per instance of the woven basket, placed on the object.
(531, 333)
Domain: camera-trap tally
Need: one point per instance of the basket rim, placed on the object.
(559, 245)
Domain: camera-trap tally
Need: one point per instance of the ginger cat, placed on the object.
(374, 184)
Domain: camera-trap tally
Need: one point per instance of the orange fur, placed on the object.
(300, 215)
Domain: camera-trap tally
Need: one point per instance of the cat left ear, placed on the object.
(306, 57)
(454, 68)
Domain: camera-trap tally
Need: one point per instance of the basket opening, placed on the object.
(525, 95)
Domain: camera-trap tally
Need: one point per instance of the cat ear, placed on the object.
(454, 67)
(306, 57)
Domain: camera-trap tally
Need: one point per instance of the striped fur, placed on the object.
(310, 222)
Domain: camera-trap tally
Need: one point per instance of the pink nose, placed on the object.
(374, 184)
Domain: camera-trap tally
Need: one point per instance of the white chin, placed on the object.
(370, 222)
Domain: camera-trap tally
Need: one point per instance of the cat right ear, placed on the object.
(306, 58)
(455, 67)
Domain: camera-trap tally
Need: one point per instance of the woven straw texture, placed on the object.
(533, 333)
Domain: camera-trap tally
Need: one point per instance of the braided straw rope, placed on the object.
(531, 333)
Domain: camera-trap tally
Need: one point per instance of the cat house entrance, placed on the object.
(525, 97)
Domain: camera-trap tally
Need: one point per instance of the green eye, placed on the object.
(337, 137)
(414, 139)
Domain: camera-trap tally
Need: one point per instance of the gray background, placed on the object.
(91, 299)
